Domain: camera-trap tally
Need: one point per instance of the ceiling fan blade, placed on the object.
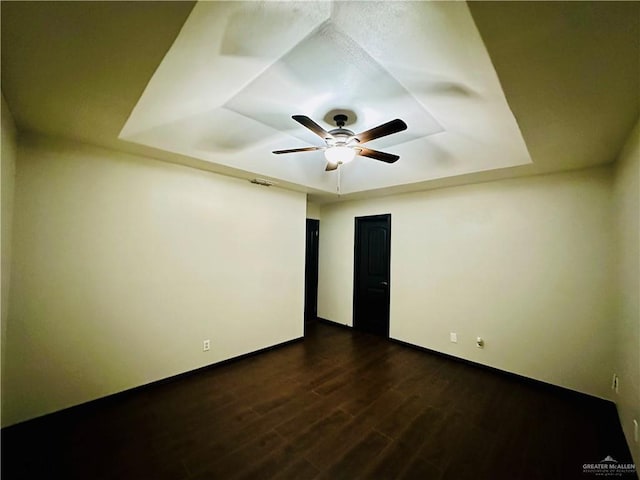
(293, 150)
(313, 126)
(331, 166)
(375, 154)
(394, 126)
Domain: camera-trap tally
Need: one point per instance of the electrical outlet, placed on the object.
(635, 430)
(453, 336)
(206, 345)
(479, 342)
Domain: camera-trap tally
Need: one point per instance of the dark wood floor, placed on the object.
(338, 405)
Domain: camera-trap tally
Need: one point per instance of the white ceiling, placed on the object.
(488, 89)
(420, 61)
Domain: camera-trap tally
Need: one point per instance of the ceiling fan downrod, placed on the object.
(340, 120)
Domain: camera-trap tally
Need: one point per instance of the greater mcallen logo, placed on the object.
(609, 466)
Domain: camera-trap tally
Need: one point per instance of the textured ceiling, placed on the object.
(228, 97)
(563, 76)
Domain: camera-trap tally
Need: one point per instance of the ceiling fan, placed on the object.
(342, 145)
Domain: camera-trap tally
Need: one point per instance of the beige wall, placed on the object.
(313, 210)
(524, 263)
(627, 212)
(123, 266)
(7, 181)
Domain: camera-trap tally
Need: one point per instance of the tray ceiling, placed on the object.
(85, 70)
(227, 88)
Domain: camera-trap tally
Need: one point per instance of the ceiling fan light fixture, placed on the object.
(339, 154)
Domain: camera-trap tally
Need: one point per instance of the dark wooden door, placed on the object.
(372, 258)
(311, 270)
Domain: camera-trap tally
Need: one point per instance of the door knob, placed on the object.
(384, 284)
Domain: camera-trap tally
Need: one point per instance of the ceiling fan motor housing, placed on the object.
(340, 136)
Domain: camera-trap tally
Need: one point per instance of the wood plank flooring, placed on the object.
(338, 405)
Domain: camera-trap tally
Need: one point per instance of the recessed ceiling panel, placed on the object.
(329, 71)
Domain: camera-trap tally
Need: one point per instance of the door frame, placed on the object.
(356, 268)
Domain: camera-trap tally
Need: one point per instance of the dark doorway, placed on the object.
(311, 271)
(372, 262)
